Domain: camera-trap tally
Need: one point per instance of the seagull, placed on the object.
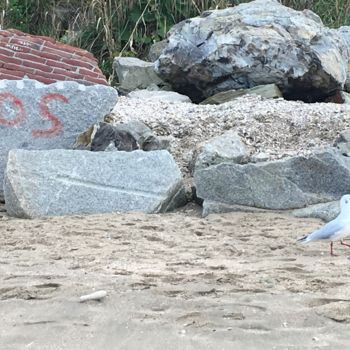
(334, 230)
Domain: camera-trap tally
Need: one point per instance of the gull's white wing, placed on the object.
(325, 232)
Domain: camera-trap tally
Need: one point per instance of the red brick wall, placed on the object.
(46, 60)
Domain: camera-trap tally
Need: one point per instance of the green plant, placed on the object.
(109, 28)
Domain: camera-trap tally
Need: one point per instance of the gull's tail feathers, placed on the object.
(303, 239)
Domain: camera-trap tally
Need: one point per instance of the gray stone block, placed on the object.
(38, 116)
(290, 183)
(64, 182)
(134, 74)
(325, 211)
(225, 148)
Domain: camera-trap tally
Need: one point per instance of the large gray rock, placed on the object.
(63, 182)
(344, 32)
(285, 184)
(255, 43)
(38, 116)
(225, 148)
(134, 74)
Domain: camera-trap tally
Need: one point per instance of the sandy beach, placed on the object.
(173, 281)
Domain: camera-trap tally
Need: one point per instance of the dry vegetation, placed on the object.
(112, 27)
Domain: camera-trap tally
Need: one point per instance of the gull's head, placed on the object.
(345, 203)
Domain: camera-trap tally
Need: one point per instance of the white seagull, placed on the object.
(335, 230)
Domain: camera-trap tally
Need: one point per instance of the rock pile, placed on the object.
(240, 149)
(38, 116)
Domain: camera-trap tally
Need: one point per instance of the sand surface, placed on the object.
(173, 281)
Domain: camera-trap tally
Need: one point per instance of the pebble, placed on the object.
(273, 128)
(98, 295)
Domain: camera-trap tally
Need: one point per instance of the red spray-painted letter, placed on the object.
(57, 125)
(21, 114)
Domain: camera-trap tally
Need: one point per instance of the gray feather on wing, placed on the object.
(327, 231)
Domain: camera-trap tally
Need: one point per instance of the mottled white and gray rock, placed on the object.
(165, 96)
(39, 116)
(266, 91)
(255, 43)
(134, 74)
(226, 148)
(64, 182)
(344, 32)
(290, 183)
(342, 142)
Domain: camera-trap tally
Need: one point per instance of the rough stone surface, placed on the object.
(226, 148)
(166, 96)
(344, 32)
(64, 182)
(38, 116)
(266, 91)
(109, 137)
(134, 74)
(342, 142)
(156, 50)
(45, 60)
(286, 184)
(255, 43)
(325, 211)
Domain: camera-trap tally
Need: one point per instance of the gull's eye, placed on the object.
(346, 201)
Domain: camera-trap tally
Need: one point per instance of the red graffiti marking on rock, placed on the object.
(21, 114)
(57, 125)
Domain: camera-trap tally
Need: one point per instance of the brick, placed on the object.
(49, 56)
(21, 49)
(19, 68)
(42, 74)
(89, 73)
(30, 57)
(61, 65)
(38, 66)
(24, 43)
(10, 59)
(97, 70)
(57, 52)
(4, 40)
(59, 77)
(66, 73)
(96, 80)
(5, 33)
(71, 49)
(4, 76)
(12, 72)
(41, 79)
(77, 63)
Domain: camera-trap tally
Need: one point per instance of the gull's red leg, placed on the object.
(332, 254)
(342, 243)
